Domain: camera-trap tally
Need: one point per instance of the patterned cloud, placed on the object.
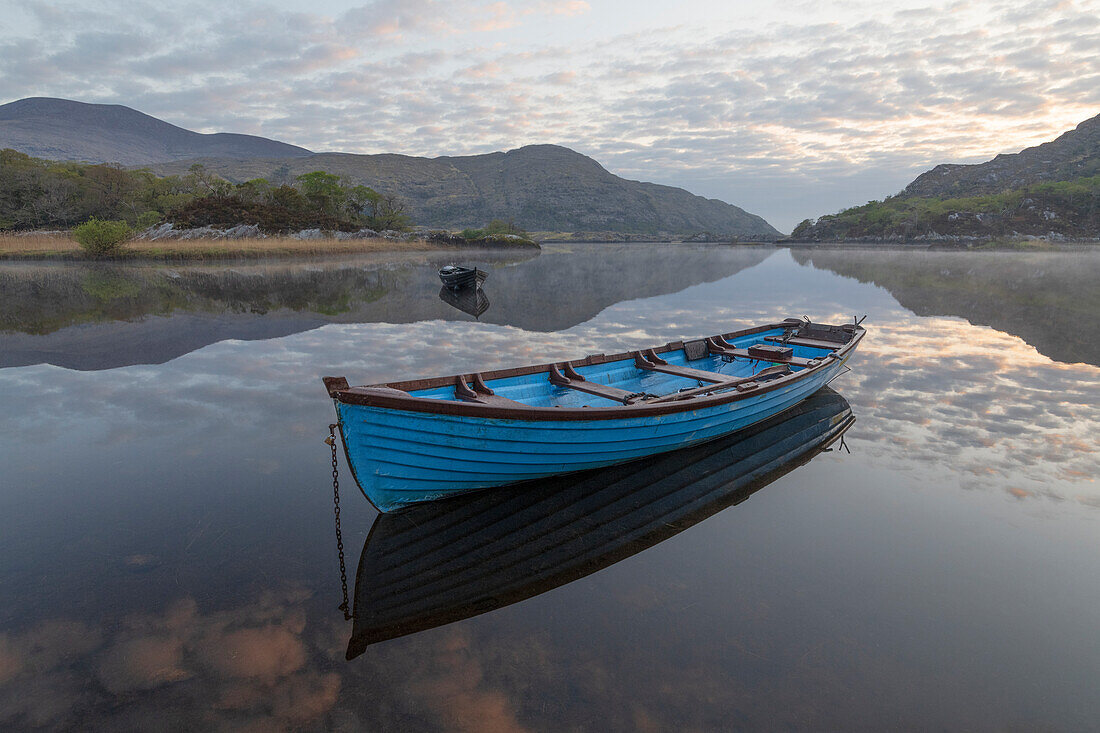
(790, 114)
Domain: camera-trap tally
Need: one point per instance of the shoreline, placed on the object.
(55, 248)
(1003, 245)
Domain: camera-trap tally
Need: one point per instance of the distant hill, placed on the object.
(540, 187)
(60, 129)
(1051, 189)
(1074, 154)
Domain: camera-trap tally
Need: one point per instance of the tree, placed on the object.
(362, 200)
(256, 190)
(323, 191)
(387, 212)
(201, 182)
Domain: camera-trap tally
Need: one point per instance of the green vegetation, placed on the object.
(1069, 208)
(43, 194)
(496, 230)
(102, 237)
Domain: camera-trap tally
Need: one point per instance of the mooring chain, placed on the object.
(331, 441)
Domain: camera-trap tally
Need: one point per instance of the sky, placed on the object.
(789, 113)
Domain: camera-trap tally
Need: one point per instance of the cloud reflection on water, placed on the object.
(237, 424)
(940, 392)
(253, 665)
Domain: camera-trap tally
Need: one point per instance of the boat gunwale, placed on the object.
(394, 399)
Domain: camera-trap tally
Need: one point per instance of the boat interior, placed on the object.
(678, 371)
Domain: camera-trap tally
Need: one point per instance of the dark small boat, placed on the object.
(457, 278)
(442, 562)
(468, 300)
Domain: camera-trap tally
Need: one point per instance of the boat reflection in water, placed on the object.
(444, 561)
(468, 300)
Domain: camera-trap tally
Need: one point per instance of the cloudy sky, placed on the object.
(790, 113)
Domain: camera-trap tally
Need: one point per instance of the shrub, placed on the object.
(148, 219)
(99, 237)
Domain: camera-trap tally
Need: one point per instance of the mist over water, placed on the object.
(167, 554)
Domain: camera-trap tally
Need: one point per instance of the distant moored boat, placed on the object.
(456, 277)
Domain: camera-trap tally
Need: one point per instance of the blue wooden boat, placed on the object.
(445, 561)
(426, 439)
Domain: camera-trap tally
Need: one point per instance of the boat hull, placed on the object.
(404, 457)
(438, 563)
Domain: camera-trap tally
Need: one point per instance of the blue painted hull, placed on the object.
(443, 561)
(442, 446)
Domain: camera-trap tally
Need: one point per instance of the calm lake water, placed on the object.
(168, 558)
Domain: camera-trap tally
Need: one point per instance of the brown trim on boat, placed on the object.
(334, 385)
(394, 395)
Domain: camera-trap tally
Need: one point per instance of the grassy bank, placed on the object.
(977, 245)
(64, 247)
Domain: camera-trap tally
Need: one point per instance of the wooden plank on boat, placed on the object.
(480, 393)
(572, 380)
(741, 384)
(734, 352)
(664, 367)
(799, 341)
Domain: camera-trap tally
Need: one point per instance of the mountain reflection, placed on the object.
(105, 316)
(441, 562)
(1050, 300)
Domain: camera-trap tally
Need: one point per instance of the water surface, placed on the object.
(167, 557)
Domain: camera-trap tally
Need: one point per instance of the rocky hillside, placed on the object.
(60, 129)
(1051, 190)
(540, 187)
(1074, 154)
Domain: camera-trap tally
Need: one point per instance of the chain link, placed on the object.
(336, 510)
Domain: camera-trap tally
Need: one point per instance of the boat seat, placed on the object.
(569, 378)
(741, 384)
(650, 362)
(720, 347)
(801, 341)
(481, 393)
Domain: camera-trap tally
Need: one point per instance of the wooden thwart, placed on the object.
(480, 393)
(720, 347)
(647, 363)
(799, 341)
(569, 378)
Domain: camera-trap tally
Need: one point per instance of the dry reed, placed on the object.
(63, 246)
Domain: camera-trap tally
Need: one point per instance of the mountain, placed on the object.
(1050, 190)
(1074, 154)
(60, 129)
(540, 187)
